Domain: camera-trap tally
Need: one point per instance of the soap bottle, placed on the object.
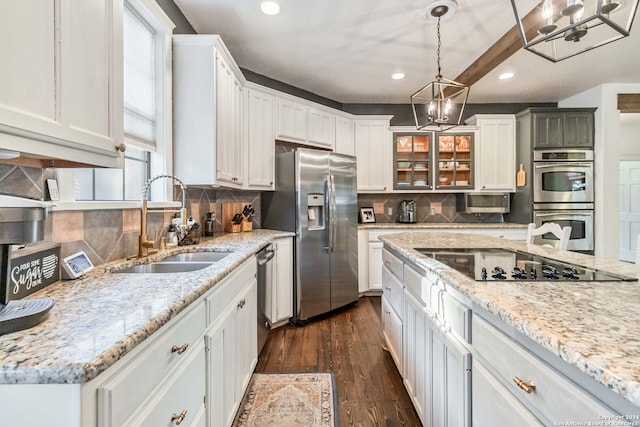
(208, 224)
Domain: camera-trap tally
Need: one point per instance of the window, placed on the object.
(147, 109)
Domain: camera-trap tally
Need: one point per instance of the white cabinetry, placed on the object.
(61, 92)
(496, 152)
(373, 151)
(415, 352)
(345, 143)
(260, 140)
(279, 302)
(207, 112)
(231, 343)
(554, 399)
(143, 391)
(302, 123)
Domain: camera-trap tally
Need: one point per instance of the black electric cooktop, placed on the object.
(491, 264)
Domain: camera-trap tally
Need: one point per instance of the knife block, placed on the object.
(247, 225)
(229, 209)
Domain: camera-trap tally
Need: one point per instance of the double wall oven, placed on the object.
(563, 192)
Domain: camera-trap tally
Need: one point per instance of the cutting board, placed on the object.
(521, 177)
(229, 209)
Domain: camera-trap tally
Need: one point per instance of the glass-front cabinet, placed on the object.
(433, 161)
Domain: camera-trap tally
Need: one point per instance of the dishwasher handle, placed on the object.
(265, 256)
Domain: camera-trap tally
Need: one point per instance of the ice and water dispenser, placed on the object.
(315, 211)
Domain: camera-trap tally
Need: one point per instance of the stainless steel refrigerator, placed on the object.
(315, 196)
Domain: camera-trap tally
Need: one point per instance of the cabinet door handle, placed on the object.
(242, 303)
(179, 350)
(121, 147)
(388, 288)
(387, 262)
(527, 386)
(179, 418)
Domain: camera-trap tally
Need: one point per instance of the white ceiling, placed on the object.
(346, 50)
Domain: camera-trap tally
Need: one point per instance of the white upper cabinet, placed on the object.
(207, 99)
(61, 91)
(345, 142)
(321, 128)
(303, 123)
(496, 152)
(261, 140)
(292, 121)
(374, 153)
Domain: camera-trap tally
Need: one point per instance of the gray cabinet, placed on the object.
(562, 128)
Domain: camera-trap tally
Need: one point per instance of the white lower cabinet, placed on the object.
(231, 344)
(392, 332)
(415, 352)
(279, 301)
(544, 391)
(494, 405)
(375, 266)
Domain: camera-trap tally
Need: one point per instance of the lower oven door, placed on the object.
(563, 182)
(580, 221)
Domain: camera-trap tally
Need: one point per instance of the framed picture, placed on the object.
(367, 215)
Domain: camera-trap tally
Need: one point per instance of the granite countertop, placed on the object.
(99, 318)
(437, 225)
(594, 326)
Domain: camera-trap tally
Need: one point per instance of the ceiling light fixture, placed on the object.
(505, 76)
(8, 154)
(441, 102)
(270, 8)
(397, 76)
(560, 29)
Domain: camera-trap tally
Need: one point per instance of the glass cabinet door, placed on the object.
(412, 162)
(454, 161)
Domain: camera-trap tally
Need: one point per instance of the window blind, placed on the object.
(139, 81)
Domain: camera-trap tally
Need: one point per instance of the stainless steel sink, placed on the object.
(196, 257)
(166, 267)
(179, 263)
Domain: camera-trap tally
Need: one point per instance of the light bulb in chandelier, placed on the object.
(547, 17)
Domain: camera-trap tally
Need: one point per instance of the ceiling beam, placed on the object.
(629, 102)
(506, 46)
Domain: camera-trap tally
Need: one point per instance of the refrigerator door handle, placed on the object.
(332, 212)
(327, 207)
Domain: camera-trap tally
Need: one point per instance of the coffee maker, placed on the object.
(407, 212)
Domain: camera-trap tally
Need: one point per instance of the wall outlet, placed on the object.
(390, 211)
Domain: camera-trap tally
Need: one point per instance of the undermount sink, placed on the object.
(179, 263)
(196, 257)
(166, 267)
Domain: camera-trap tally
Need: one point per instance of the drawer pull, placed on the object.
(527, 386)
(179, 418)
(179, 350)
(387, 262)
(242, 303)
(388, 288)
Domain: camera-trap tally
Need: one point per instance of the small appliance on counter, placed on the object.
(21, 221)
(407, 212)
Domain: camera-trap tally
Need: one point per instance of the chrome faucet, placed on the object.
(144, 244)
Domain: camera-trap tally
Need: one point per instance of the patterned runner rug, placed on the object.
(283, 400)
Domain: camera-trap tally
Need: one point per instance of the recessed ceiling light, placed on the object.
(270, 8)
(397, 76)
(505, 76)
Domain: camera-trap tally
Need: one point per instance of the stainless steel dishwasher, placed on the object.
(264, 258)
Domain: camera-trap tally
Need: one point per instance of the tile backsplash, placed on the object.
(432, 207)
(112, 234)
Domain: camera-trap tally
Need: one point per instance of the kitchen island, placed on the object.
(589, 331)
(104, 319)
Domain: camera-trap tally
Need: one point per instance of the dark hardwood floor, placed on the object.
(348, 343)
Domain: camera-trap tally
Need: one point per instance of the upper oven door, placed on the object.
(580, 221)
(563, 182)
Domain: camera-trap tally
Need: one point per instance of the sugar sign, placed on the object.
(32, 272)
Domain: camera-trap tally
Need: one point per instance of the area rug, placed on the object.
(286, 399)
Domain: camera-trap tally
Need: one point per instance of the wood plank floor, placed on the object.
(348, 343)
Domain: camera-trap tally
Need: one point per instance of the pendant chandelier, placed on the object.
(560, 29)
(441, 102)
